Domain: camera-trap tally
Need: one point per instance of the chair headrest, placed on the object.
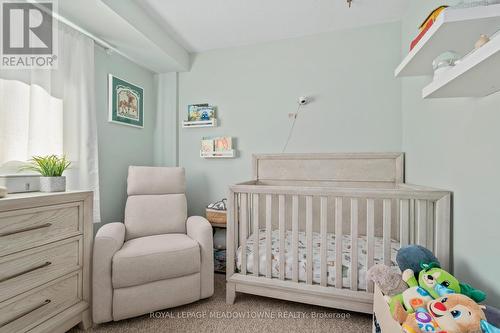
(155, 180)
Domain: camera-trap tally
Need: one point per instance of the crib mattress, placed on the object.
(346, 256)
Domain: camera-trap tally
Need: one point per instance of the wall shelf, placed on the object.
(199, 123)
(218, 154)
(477, 75)
(454, 30)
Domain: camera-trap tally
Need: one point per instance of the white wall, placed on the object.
(356, 105)
(453, 144)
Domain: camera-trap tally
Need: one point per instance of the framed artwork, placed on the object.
(126, 102)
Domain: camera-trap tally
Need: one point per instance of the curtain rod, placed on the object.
(102, 43)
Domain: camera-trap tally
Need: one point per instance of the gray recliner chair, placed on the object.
(158, 258)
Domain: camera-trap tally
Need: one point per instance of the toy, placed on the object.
(488, 328)
(220, 239)
(492, 315)
(387, 278)
(410, 257)
(483, 39)
(433, 282)
(427, 24)
(454, 313)
(421, 320)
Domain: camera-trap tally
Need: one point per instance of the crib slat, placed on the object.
(338, 242)
(256, 234)
(295, 238)
(324, 244)
(370, 232)
(404, 217)
(396, 223)
(386, 233)
(430, 225)
(412, 222)
(442, 231)
(354, 244)
(421, 217)
(243, 227)
(309, 239)
(281, 222)
(237, 206)
(231, 222)
(269, 230)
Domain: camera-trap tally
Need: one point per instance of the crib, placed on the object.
(296, 229)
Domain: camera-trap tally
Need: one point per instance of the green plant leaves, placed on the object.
(48, 166)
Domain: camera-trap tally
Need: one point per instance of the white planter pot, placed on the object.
(53, 184)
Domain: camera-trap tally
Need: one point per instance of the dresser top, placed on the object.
(19, 200)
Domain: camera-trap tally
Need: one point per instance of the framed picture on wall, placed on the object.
(125, 102)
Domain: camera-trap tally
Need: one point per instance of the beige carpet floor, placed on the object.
(214, 315)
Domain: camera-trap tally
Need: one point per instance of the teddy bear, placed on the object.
(388, 279)
(453, 313)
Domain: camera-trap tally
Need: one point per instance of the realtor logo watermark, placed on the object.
(29, 34)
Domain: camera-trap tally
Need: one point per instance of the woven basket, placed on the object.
(216, 216)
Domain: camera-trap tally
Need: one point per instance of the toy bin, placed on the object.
(382, 314)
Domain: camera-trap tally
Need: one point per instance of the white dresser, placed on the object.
(45, 255)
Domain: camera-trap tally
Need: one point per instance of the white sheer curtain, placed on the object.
(53, 112)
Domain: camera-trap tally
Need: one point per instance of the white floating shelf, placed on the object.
(199, 123)
(454, 30)
(218, 154)
(477, 75)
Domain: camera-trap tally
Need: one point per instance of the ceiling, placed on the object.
(128, 29)
(201, 25)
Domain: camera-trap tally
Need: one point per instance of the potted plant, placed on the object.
(51, 169)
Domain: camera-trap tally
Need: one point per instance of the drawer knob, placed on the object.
(45, 264)
(8, 233)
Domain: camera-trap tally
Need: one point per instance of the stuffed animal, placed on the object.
(410, 257)
(433, 282)
(453, 313)
(387, 278)
(489, 328)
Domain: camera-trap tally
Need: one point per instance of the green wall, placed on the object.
(356, 106)
(453, 144)
(120, 145)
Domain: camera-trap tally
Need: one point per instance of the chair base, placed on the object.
(159, 295)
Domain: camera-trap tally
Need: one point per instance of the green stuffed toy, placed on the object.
(433, 282)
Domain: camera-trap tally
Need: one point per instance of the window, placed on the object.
(31, 122)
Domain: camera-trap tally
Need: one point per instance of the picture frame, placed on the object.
(125, 102)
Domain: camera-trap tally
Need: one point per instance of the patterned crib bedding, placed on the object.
(346, 257)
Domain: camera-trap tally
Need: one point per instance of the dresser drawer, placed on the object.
(27, 228)
(26, 270)
(30, 309)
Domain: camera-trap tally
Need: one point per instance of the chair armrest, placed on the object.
(108, 240)
(199, 229)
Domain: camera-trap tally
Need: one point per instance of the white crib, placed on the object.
(301, 202)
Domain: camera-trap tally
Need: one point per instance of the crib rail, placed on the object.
(420, 215)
